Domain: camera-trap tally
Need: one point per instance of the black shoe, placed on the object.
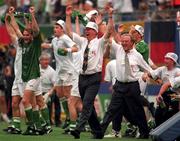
(8, 129)
(46, 129)
(14, 131)
(31, 131)
(143, 136)
(131, 131)
(75, 133)
(41, 131)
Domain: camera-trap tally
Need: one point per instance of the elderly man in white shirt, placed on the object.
(110, 76)
(90, 74)
(126, 95)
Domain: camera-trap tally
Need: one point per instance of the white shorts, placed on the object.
(2, 93)
(18, 88)
(64, 79)
(75, 88)
(33, 85)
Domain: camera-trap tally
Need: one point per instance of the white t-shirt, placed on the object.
(136, 62)
(175, 84)
(78, 61)
(110, 72)
(18, 62)
(165, 74)
(64, 64)
(96, 50)
(47, 78)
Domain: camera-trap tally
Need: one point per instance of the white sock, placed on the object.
(5, 118)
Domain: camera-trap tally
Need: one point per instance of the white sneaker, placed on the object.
(113, 135)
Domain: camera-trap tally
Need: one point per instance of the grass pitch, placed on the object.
(56, 135)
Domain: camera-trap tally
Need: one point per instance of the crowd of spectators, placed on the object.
(125, 10)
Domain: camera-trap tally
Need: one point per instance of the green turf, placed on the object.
(56, 135)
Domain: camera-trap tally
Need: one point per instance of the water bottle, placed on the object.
(162, 104)
(61, 52)
(21, 15)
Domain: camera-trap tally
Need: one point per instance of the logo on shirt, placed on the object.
(93, 53)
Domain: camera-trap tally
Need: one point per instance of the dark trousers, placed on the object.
(57, 106)
(116, 122)
(126, 97)
(88, 88)
(171, 108)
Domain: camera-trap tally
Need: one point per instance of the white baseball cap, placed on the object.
(139, 29)
(61, 23)
(92, 25)
(91, 13)
(172, 56)
(89, 2)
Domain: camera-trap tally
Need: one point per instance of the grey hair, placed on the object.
(45, 54)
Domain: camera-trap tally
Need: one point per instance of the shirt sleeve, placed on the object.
(16, 44)
(68, 42)
(38, 39)
(102, 42)
(175, 82)
(78, 39)
(108, 75)
(156, 73)
(142, 63)
(115, 46)
(53, 78)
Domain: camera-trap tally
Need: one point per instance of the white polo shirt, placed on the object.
(18, 62)
(165, 74)
(175, 82)
(64, 64)
(95, 56)
(47, 78)
(136, 62)
(78, 61)
(110, 72)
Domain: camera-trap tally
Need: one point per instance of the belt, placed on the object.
(126, 82)
(90, 74)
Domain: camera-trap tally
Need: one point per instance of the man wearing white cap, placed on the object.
(63, 47)
(88, 5)
(137, 33)
(90, 74)
(166, 73)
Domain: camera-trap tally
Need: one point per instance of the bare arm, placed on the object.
(77, 26)
(68, 21)
(110, 27)
(14, 23)
(34, 25)
(72, 49)
(10, 29)
(108, 48)
(164, 87)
